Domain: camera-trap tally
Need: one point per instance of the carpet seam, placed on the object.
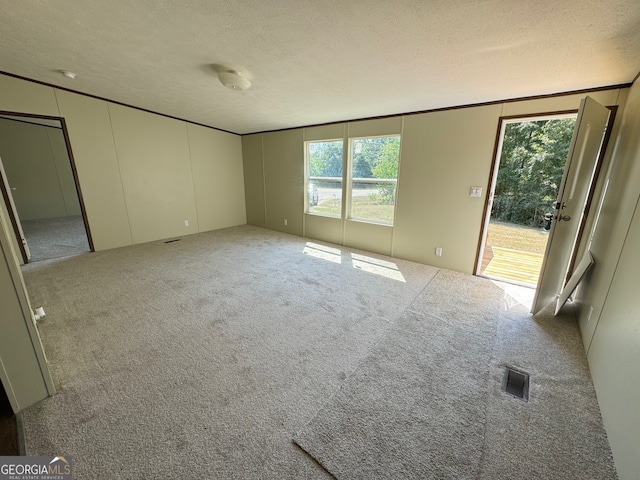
(413, 300)
(365, 358)
(315, 460)
(235, 348)
(492, 360)
(408, 309)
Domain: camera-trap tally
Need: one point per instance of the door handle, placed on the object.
(565, 218)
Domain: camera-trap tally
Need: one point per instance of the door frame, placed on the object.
(74, 172)
(15, 225)
(493, 173)
(592, 190)
(22, 355)
(588, 147)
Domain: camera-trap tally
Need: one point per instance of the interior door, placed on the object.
(584, 151)
(13, 215)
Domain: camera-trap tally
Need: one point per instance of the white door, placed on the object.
(13, 213)
(579, 171)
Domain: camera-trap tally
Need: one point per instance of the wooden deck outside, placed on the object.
(513, 265)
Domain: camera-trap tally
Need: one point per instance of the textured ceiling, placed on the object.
(315, 61)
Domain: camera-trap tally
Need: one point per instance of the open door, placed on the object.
(586, 143)
(13, 215)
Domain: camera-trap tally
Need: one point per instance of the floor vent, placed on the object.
(516, 383)
(174, 240)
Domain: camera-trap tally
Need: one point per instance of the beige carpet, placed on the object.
(49, 238)
(416, 407)
(203, 358)
(428, 403)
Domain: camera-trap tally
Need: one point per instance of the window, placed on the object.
(370, 178)
(374, 175)
(324, 177)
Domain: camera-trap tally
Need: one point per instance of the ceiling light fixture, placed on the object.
(68, 74)
(234, 80)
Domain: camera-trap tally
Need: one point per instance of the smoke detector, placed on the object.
(234, 80)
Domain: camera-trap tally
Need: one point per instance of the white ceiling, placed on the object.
(314, 61)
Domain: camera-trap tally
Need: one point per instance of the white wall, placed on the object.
(141, 175)
(154, 162)
(63, 169)
(443, 153)
(125, 159)
(611, 332)
(216, 164)
(37, 165)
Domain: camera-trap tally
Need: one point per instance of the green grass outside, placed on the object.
(362, 208)
(517, 237)
(328, 207)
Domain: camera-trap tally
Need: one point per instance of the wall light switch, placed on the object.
(475, 192)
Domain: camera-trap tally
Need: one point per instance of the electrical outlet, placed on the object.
(285, 222)
(438, 251)
(186, 223)
(475, 192)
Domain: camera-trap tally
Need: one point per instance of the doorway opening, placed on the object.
(9, 445)
(530, 160)
(40, 188)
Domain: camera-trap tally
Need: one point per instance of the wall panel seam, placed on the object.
(124, 193)
(193, 181)
(264, 181)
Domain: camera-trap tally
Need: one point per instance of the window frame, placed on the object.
(309, 179)
(350, 181)
(346, 181)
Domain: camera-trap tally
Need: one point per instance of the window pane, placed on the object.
(373, 202)
(324, 180)
(374, 172)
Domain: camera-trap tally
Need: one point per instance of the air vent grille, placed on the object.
(516, 383)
